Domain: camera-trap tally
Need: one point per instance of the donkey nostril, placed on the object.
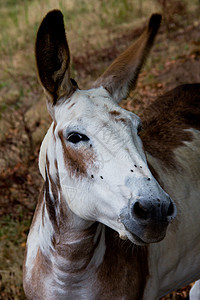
(140, 211)
(170, 209)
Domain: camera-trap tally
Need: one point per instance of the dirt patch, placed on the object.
(185, 70)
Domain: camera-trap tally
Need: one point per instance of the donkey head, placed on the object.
(92, 147)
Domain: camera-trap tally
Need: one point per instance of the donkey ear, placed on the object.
(121, 76)
(53, 57)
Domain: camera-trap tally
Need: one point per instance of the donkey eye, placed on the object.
(75, 137)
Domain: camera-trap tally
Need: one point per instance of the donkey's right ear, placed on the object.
(53, 57)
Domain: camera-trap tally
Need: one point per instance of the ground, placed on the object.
(104, 30)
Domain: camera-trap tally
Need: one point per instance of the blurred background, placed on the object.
(97, 32)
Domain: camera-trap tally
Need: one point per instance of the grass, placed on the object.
(92, 27)
(12, 244)
(19, 20)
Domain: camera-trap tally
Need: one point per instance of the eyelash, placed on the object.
(76, 137)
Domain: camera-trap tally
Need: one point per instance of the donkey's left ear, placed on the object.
(121, 76)
(53, 57)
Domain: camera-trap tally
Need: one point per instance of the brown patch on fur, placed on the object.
(124, 271)
(51, 204)
(114, 113)
(71, 105)
(165, 121)
(41, 269)
(51, 195)
(38, 207)
(77, 160)
(56, 165)
(79, 254)
(54, 127)
(121, 120)
(43, 213)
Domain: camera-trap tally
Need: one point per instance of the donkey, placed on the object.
(100, 229)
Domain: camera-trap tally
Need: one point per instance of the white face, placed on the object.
(102, 167)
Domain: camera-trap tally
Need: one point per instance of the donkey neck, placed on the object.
(63, 250)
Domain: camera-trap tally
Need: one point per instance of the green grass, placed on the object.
(12, 244)
(20, 19)
(13, 229)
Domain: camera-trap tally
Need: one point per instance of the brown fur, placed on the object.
(39, 206)
(71, 105)
(114, 113)
(42, 266)
(77, 161)
(165, 121)
(121, 120)
(80, 256)
(124, 271)
(50, 198)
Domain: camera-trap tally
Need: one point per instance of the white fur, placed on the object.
(195, 291)
(43, 151)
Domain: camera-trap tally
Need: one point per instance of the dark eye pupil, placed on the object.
(75, 137)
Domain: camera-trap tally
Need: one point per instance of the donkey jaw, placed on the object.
(140, 236)
(141, 240)
(135, 239)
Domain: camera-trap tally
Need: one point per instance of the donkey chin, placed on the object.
(144, 235)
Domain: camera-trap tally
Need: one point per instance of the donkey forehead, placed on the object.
(88, 107)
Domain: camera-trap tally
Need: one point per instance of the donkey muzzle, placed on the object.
(147, 219)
